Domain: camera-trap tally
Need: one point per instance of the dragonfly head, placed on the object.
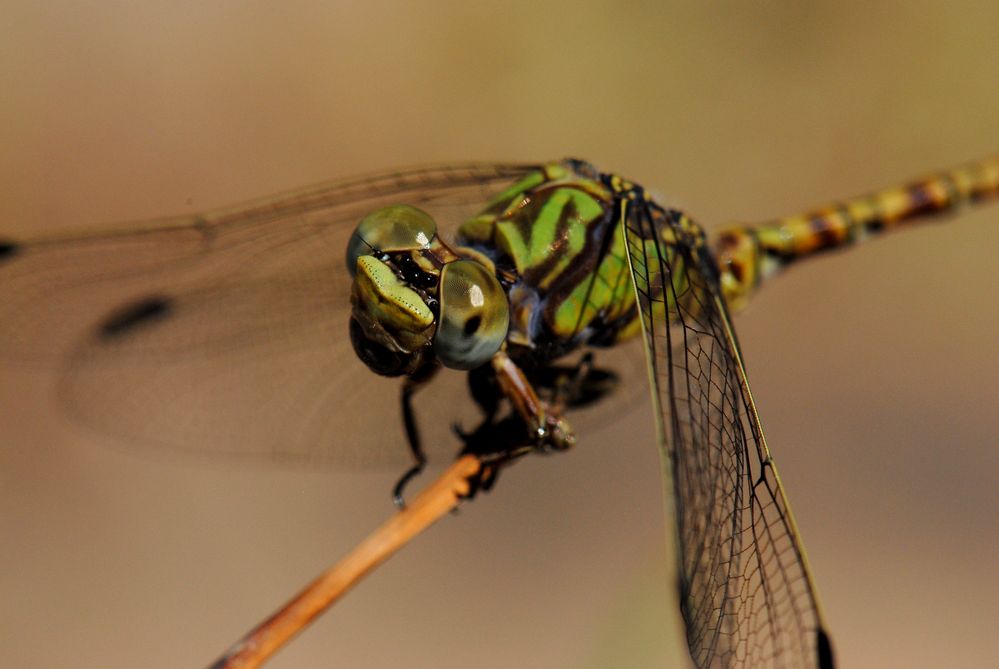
(414, 300)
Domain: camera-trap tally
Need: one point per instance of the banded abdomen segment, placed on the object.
(747, 255)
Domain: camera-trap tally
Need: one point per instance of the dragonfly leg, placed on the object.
(495, 444)
(572, 385)
(576, 385)
(409, 388)
(549, 430)
(485, 392)
(491, 466)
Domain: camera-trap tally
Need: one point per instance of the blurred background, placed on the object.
(875, 370)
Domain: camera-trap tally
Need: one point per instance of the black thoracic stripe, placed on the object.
(610, 230)
(534, 275)
(623, 275)
(585, 263)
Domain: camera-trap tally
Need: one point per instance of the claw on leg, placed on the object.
(399, 488)
(409, 388)
(549, 429)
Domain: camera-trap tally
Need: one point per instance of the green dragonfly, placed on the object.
(231, 333)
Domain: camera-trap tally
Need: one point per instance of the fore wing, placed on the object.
(225, 332)
(747, 595)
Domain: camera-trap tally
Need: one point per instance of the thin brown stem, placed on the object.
(435, 501)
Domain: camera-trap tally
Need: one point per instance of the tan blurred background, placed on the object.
(876, 370)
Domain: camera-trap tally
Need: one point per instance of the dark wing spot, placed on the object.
(144, 311)
(472, 325)
(8, 250)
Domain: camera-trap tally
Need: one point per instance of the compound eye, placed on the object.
(474, 315)
(399, 227)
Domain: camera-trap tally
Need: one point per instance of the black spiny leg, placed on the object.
(409, 387)
(574, 386)
(496, 444)
(569, 386)
(485, 391)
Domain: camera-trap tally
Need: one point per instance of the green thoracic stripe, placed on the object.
(479, 229)
(501, 201)
(552, 227)
(606, 292)
(587, 206)
(573, 240)
(549, 173)
(535, 246)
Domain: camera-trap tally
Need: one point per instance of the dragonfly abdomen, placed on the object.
(749, 254)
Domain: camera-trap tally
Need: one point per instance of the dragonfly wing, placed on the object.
(747, 595)
(227, 331)
(53, 289)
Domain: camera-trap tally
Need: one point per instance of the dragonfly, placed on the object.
(253, 331)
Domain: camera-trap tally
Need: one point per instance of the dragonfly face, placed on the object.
(416, 301)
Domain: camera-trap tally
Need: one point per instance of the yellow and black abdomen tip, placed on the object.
(858, 218)
(746, 255)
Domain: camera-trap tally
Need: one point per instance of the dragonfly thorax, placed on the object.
(556, 235)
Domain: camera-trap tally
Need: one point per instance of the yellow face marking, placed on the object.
(389, 300)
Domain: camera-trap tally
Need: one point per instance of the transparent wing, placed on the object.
(227, 331)
(747, 595)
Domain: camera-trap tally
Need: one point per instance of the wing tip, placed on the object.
(138, 313)
(824, 650)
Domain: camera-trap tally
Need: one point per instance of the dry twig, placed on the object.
(435, 501)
